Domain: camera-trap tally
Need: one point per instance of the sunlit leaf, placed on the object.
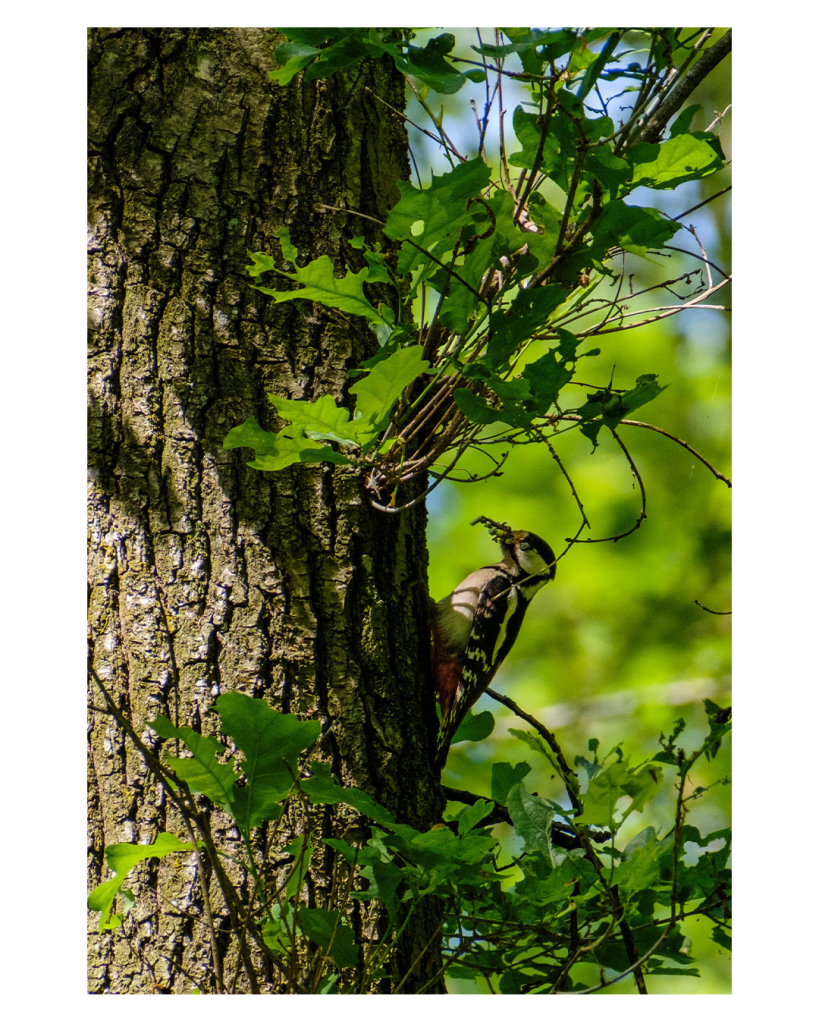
(275, 451)
(271, 742)
(679, 159)
(320, 284)
(122, 858)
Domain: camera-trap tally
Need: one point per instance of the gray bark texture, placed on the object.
(206, 576)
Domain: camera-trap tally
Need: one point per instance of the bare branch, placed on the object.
(640, 517)
(711, 610)
(665, 433)
(705, 202)
(654, 127)
(569, 776)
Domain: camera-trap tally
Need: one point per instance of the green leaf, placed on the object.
(312, 422)
(534, 46)
(640, 867)
(293, 57)
(532, 819)
(679, 159)
(527, 313)
(320, 284)
(324, 927)
(613, 171)
(328, 986)
(341, 56)
(549, 374)
(348, 46)
(322, 788)
(518, 404)
(121, 858)
(476, 409)
(498, 236)
(378, 270)
(473, 815)
(475, 727)
(202, 772)
(384, 877)
(555, 887)
(319, 420)
(529, 129)
(438, 213)
(314, 35)
(440, 851)
(719, 721)
(390, 345)
(633, 228)
(548, 218)
(504, 776)
(616, 781)
(620, 406)
(721, 937)
(271, 743)
(302, 852)
(275, 451)
(587, 767)
(278, 928)
(533, 741)
(380, 389)
(596, 67)
(429, 66)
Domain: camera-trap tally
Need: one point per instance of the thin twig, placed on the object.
(664, 311)
(705, 202)
(711, 610)
(547, 735)
(585, 523)
(640, 517)
(718, 118)
(702, 256)
(404, 117)
(165, 775)
(446, 143)
(659, 430)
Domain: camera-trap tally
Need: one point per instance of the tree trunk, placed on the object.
(207, 576)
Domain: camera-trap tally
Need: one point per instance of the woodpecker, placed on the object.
(475, 627)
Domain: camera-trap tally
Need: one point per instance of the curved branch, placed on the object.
(665, 433)
(687, 252)
(548, 736)
(711, 610)
(640, 517)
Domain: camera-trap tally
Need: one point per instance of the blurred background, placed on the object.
(616, 648)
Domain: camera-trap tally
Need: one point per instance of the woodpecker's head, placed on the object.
(528, 554)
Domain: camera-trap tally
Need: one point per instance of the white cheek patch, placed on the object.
(531, 563)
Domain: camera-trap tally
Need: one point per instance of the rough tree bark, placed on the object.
(206, 576)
